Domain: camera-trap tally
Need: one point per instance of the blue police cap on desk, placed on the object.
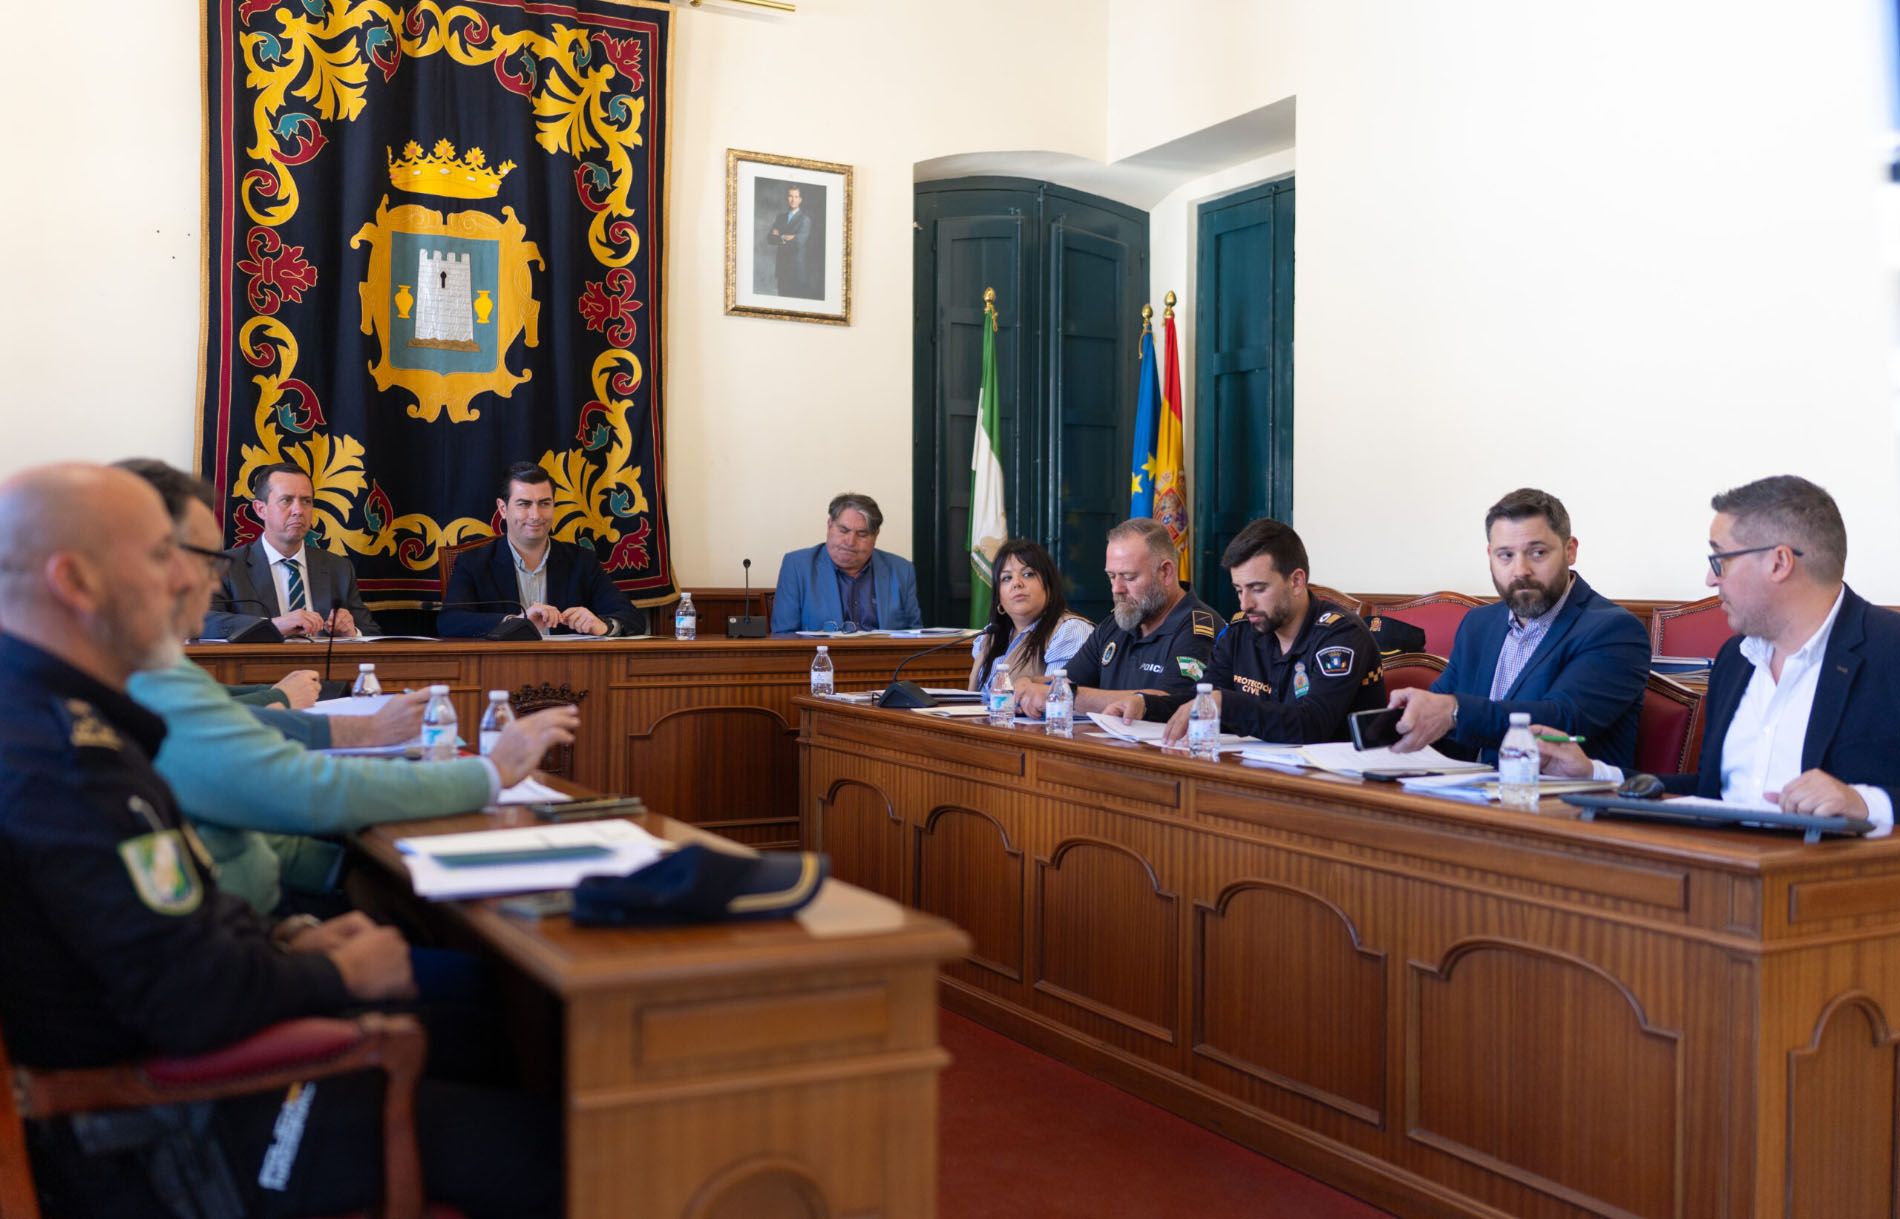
(698, 885)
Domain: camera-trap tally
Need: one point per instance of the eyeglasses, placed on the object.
(841, 628)
(1717, 558)
(220, 562)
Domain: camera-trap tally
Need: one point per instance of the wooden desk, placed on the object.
(703, 729)
(736, 1070)
(1441, 1008)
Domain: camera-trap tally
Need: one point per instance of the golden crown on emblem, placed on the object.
(441, 172)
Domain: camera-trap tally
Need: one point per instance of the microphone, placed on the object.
(745, 626)
(904, 695)
(508, 630)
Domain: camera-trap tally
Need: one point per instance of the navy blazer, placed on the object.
(1586, 677)
(249, 592)
(486, 577)
(807, 595)
(1856, 704)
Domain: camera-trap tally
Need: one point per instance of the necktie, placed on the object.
(297, 598)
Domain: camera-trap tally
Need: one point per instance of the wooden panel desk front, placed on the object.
(1444, 1009)
(736, 1070)
(704, 729)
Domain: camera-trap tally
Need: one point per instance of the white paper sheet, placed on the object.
(350, 706)
(1147, 733)
(1340, 758)
(630, 848)
(531, 791)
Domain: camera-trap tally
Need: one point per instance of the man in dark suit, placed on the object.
(1803, 699)
(1551, 646)
(555, 585)
(790, 240)
(303, 590)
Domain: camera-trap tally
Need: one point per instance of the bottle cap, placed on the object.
(822, 649)
(1058, 672)
(1204, 687)
(438, 689)
(366, 667)
(497, 696)
(1520, 719)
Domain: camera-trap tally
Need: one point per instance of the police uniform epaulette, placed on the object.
(1238, 615)
(1205, 623)
(86, 728)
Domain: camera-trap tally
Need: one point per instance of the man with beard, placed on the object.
(1291, 666)
(1158, 641)
(1802, 701)
(1551, 646)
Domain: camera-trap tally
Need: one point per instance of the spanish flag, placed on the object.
(1171, 502)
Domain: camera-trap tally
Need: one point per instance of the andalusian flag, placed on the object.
(988, 527)
(1171, 504)
(1141, 475)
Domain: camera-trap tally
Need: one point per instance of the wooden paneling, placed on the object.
(857, 826)
(1442, 1008)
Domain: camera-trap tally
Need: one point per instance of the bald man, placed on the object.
(115, 941)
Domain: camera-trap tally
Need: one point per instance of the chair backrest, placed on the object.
(1411, 670)
(445, 561)
(1694, 628)
(529, 699)
(1338, 598)
(1437, 614)
(18, 1200)
(1669, 727)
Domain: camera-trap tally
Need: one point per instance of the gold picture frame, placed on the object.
(788, 238)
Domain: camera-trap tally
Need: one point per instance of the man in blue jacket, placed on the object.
(1551, 646)
(845, 578)
(526, 573)
(1803, 699)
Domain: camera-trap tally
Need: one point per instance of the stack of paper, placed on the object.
(531, 791)
(488, 862)
(1145, 733)
(1341, 758)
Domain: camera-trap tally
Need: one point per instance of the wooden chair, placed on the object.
(1694, 628)
(1668, 728)
(1437, 614)
(1337, 598)
(1411, 670)
(445, 561)
(276, 1057)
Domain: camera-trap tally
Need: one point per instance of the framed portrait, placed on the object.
(788, 238)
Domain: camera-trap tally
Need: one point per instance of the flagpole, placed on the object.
(989, 527)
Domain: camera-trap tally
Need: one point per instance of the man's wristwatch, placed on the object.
(289, 929)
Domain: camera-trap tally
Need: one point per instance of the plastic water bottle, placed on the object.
(495, 720)
(822, 672)
(1203, 729)
(366, 685)
(686, 619)
(1002, 698)
(1517, 765)
(438, 726)
(1058, 713)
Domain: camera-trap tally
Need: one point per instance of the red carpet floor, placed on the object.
(1027, 1137)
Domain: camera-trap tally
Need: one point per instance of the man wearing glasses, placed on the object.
(1551, 646)
(303, 590)
(845, 583)
(1802, 703)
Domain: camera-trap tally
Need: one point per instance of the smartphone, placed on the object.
(1375, 729)
(538, 905)
(589, 810)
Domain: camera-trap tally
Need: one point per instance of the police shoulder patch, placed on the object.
(162, 879)
(89, 729)
(1334, 662)
(1205, 623)
(1328, 618)
(1191, 668)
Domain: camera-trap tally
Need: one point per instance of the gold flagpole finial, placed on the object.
(1168, 300)
(989, 306)
(1147, 318)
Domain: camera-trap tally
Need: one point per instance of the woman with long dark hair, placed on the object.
(1031, 629)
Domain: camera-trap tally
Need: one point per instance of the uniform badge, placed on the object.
(1327, 618)
(156, 863)
(1376, 625)
(1205, 624)
(1334, 662)
(88, 730)
(1108, 653)
(1301, 683)
(1191, 668)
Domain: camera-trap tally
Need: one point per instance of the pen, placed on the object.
(1560, 738)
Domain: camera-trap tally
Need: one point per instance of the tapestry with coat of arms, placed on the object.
(434, 234)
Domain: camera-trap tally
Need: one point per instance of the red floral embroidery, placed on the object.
(630, 552)
(278, 272)
(609, 307)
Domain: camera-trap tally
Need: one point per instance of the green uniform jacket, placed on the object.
(237, 781)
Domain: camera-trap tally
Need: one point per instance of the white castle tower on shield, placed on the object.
(445, 316)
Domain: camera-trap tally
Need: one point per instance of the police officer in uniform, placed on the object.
(1291, 667)
(1159, 639)
(116, 944)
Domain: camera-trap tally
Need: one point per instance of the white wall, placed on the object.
(1626, 252)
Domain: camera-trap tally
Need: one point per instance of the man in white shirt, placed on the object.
(303, 590)
(1802, 702)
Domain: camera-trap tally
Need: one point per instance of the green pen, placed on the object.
(1560, 738)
